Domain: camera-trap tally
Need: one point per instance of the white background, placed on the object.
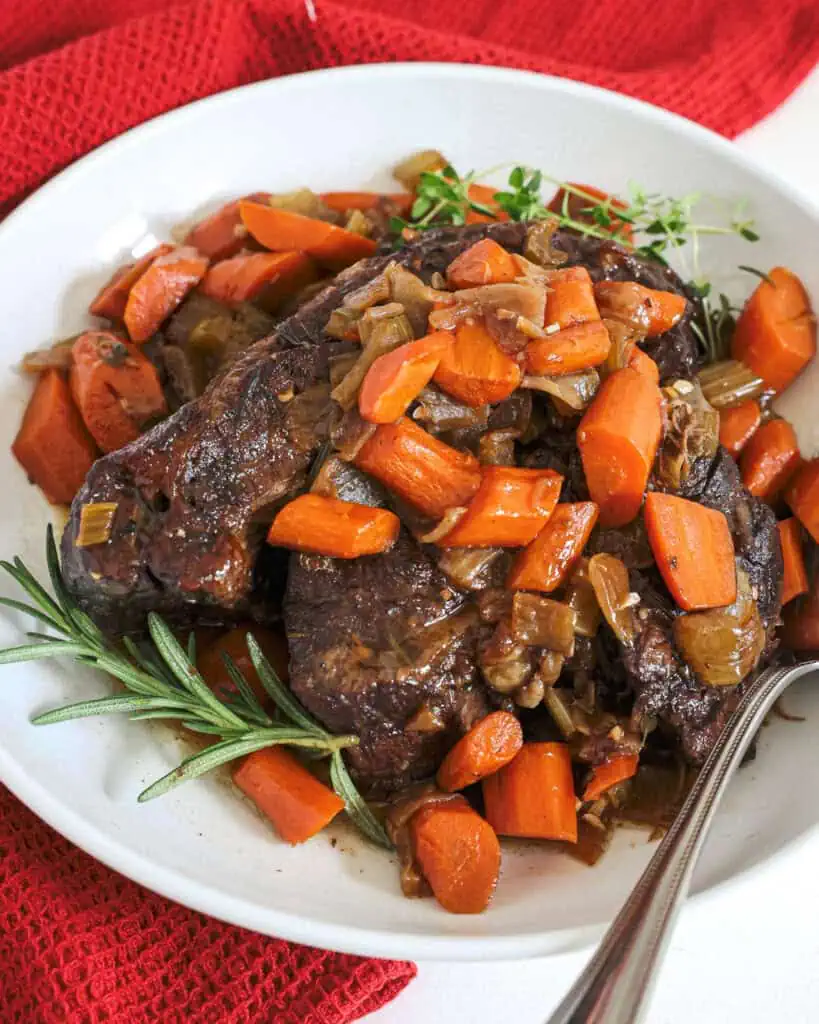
(750, 955)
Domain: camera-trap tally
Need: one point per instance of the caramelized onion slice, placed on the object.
(724, 644)
(581, 598)
(469, 568)
(542, 622)
(610, 580)
(575, 390)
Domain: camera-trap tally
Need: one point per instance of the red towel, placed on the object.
(78, 943)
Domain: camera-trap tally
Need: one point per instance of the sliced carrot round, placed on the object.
(486, 748)
(161, 289)
(475, 370)
(112, 298)
(397, 378)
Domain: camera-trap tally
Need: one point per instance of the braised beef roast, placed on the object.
(384, 646)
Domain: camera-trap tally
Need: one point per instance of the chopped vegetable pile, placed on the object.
(505, 413)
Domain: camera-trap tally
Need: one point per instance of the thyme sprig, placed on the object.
(162, 682)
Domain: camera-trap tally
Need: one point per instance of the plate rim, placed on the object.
(173, 884)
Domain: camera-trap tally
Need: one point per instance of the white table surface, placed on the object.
(750, 955)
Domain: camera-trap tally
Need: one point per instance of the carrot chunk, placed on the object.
(603, 776)
(738, 425)
(52, 445)
(776, 332)
(485, 195)
(803, 497)
(644, 364)
(341, 202)
(569, 351)
(222, 234)
(458, 853)
(570, 298)
(328, 526)
(112, 297)
(485, 262)
(618, 439)
(655, 311)
(578, 208)
(509, 509)
(117, 389)
(800, 631)
(211, 663)
(419, 468)
(769, 459)
(397, 378)
(161, 289)
(266, 278)
(283, 231)
(475, 370)
(795, 577)
(533, 796)
(288, 794)
(485, 749)
(693, 549)
(551, 556)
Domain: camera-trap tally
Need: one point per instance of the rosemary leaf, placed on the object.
(253, 708)
(357, 808)
(120, 704)
(28, 609)
(37, 652)
(280, 696)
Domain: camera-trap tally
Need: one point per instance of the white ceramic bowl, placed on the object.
(335, 130)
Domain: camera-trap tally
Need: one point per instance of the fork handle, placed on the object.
(615, 985)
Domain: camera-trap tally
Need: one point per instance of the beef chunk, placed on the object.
(376, 640)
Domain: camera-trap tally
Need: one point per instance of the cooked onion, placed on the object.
(382, 329)
(526, 300)
(441, 413)
(506, 663)
(58, 357)
(530, 695)
(341, 365)
(409, 171)
(550, 667)
(610, 580)
(359, 224)
(468, 568)
(338, 479)
(412, 800)
(343, 322)
(497, 448)
(623, 342)
(304, 202)
(541, 622)
(539, 246)
(576, 390)
(729, 383)
(724, 644)
(627, 302)
(581, 598)
(96, 523)
(451, 518)
(351, 434)
(559, 711)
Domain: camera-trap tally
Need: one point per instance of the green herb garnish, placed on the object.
(162, 681)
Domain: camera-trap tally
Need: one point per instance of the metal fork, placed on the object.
(615, 986)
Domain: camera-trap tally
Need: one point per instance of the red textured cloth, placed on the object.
(78, 943)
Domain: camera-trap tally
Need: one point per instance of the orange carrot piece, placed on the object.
(283, 231)
(112, 297)
(161, 289)
(776, 332)
(795, 577)
(802, 495)
(222, 234)
(603, 776)
(117, 389)
(568, 351)
(212, 668)
(419, 468)
(458, 853)
(694, 551)
(800, 631)
(485, 262)
(549, 559)
(509, 509)
(769, 459)
(570, 298)
(396, 379)
(738, 425)
(618, 439)
(644, 364)
(485, 749)
(475, 370)
(533, 796)
(656, 311)
(52, 444)
(328, 526)
(485, 195)
(341, 202)
(576, 205)
(288, 794)
(266, 278)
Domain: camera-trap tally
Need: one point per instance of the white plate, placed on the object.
(335, 130)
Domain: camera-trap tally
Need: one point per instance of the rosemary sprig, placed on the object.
(161, 681)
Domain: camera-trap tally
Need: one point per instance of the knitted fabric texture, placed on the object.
(79, 943)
